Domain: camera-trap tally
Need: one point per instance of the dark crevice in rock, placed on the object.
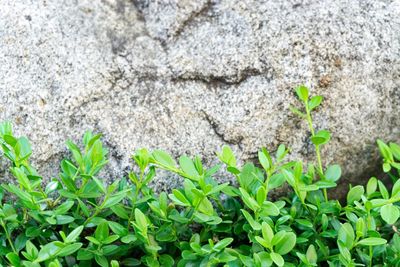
(221, 80)
(141, 5)
(214, 126)
(202, 11)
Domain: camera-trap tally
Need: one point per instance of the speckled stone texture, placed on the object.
(190, 76)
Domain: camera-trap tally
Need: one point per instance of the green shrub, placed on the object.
(78, 220)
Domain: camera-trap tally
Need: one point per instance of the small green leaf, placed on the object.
(261, 195)
(263, 159)
(102, 231)
(346, 235)
(164, 159)
(14, 259)
(372, 241)
(297, 112)
(277, 259)
(254, 224)
(312, 255)
(383, 190)
(355, 194)
(396, 189)
(141, 220)
(390, 213)
(372, 186)
(74, 234)
(286, 244)
(227, 156)
(179, 198)
(395, 149)
(115, 199)
(249, 200)
(315, 101)
(188, 167)
(69, 249)
(321, 137)
(267, 233)
(333, 173)
(23, 148)
(385, 151)
(302, 93)
(222, 244)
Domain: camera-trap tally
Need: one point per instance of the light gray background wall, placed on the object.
(189, 76)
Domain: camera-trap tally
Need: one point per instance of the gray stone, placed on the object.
(191, 76)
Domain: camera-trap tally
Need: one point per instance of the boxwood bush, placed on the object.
(77, 219)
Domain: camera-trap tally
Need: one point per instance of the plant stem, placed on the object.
(137, 190)
(8, 237)
(370, 256)
(317, 150)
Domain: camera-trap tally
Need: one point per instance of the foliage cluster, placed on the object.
(77, 219)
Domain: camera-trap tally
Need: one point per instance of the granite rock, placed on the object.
(190, 76)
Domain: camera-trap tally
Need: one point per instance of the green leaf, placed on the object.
(321, 137)
(286, 244)
(48, 251)
(64, 219)
(264, 160)
(315, 102)
(346, 235)
(117, 228)
(164, 159)
(188, 167)
(23, 148)
(115, 199)
(179, 198)
(166, 260)
(311, 254)
(297, 112)
(262, 242)
(261, 195)
(372, 241)
(396, 189)
(267, 233)
(227, 156)
(302, 93)
(120, 211)
(383, 190)
(248, 200)
(222, 244)
(206, 207)
(333, 173)
(385, 151)
(276, 180)
(141, 220)
(69, 249)
(101, 260)
(395, 149)
(31, 249)
(281, 152)
(390, 213)
(74, 234)
(355, 194)
(14, 259)
(360, 227)
(269, 209)
(372, 186)
(254, 224)
(128, 239)
(277, 259)
(102, 231)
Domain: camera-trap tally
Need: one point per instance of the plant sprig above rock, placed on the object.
(78, 220)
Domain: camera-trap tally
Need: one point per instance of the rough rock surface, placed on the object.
(189, 76)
